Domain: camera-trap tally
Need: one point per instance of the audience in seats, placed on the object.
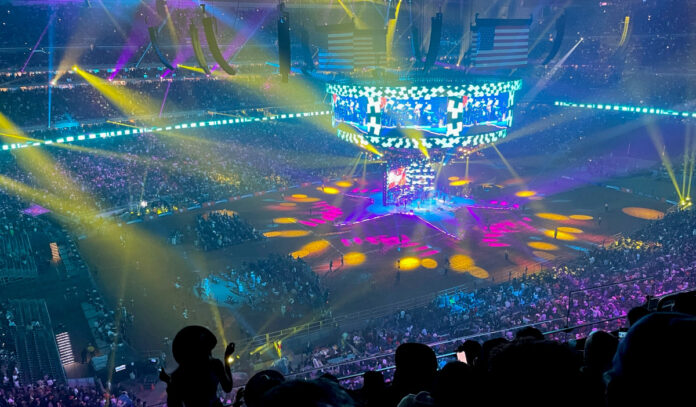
(652, 365)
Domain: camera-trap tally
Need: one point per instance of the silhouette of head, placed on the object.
(472, 349)
(329, 377)
(488, 349)
(654, 362)
(193, 343)
(635, 314)
(533, 371)
(373, 381)
(416, 365)
(373, 389)
(529, 333)
(450, 383)
(260, 384)
(600, 348)
(422, 399)
(313, 393)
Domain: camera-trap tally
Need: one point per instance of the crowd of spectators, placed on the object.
(109, 326)
(165, 172)
(49, 393)
(528, 368)
(216, 230)
(278, 283)
(8, 356)
(599, 289)
(74, 101)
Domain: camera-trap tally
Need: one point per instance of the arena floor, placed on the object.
(517, 216)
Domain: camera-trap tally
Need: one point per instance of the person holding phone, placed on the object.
(468, 352)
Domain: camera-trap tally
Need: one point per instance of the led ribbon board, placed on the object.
(470, 140)
(435, 111)
(627, 109)
(116, 131)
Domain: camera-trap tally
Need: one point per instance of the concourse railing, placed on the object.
(355, 379)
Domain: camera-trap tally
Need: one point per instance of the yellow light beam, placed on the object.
(191, 68)
(625, 31)
(507, 164)
(224, 114)
(170, 25)
(659, 144)
(358, 23)
(351, 172)
(687, 155)
(441, 165)
(122, 124)
(127, 101)
(391, 30)
(16, 136)
(691, 170)
(466, 171)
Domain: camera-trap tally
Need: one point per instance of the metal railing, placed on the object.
(390, 354)
(382, 311)
(474, 337)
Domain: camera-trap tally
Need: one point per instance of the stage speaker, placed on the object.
(214, 48)
(161, 7)
(415, 44)
(284, 44)
(392, 12)
(306, 51)
(435, 33)
(558, 38)
(197, 49)
(155, 45)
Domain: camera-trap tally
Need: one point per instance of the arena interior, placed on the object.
(347, 203)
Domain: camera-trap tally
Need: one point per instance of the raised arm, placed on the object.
(226, 377)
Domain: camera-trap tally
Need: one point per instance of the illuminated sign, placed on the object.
(429, 142)
(450, 110)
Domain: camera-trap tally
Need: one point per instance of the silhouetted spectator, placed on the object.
(472, 350)
(635, 314)
(529, 333)
(456, 384)
(259, 384)
(654, 363)
(416, 365)
(540, 373)
(314, 393)
(600, 348)
(488, 349)
(372, 391)
(195, 382)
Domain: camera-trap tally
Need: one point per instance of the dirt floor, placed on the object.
(567, 207)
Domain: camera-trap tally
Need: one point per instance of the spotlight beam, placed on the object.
(31, 54)
(659, 144)
(391, 30)
(541, 84)
(164, 100)
(129, 102)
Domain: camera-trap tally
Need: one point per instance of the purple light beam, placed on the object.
(243, 36)
(50, 20)
(138, 35)
(166, 92)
